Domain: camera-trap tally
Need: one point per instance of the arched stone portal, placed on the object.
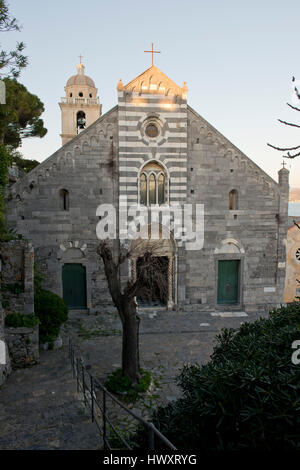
(161, 247)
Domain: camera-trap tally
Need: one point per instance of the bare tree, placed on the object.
(295, 149)
(150, 276)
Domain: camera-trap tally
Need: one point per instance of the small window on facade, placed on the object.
(91, 96)
(71, 94)
(297, 254)
(233, 200)
(81, 94)
(64, 200)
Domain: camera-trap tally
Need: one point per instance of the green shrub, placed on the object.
(52, 313)
(17, 320)
(246, 397)
(118, 383)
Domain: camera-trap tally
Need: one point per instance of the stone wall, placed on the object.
(23, 346)
(17, 276)
(17, 295)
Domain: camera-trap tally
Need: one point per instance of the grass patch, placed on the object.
(90, 334)
(120, 384)
(17, 320)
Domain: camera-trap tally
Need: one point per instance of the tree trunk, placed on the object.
(130, 344)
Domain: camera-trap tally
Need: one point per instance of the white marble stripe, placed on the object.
(181, 179)
(159, 155)
(140, 114)
(127, 179)
(128, 168)
(175, 159)
(174, 169)
(132, 145)
(131, 159)
(138, 134)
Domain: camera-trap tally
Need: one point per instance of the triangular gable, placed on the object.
(153, 80)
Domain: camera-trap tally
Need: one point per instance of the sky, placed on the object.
(237, 57)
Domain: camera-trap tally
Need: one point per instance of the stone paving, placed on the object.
(39, 408)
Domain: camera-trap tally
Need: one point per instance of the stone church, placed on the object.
(152, 148)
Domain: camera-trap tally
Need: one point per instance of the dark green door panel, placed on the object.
(228, 281)
(74, 285)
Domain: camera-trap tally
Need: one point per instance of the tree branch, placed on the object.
(284, 149)
(289, 123)
(293, 107)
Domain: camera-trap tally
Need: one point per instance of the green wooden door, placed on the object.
(228, 281)
(74, 285)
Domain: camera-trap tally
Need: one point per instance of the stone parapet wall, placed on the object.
(17, 276)
(23, 346)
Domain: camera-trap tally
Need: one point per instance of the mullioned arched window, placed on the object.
(153, 184)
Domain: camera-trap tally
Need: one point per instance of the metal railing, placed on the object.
(88, 385)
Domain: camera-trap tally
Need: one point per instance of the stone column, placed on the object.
(133, 269)
(170, 283)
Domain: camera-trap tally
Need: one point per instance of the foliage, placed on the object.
(11, 62)
(52, 312)
(20, 116)
(15, 288)
(5, 161)
(50, 309)
(246, 397)
(119, 383)
(17, 320)
(24, 165)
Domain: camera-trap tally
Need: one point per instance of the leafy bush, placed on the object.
(17, 320)
(118, 383)
(50, 309)
(52, 313)
(246, 397)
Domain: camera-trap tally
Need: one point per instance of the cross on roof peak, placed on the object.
(153, 52)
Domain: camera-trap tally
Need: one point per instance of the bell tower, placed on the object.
(80, 107)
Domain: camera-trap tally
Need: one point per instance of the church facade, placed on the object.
(153, 149)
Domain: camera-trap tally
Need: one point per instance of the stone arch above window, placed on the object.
(153, 184)
(233, 200)
(64, 199)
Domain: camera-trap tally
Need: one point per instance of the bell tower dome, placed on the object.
(80, 107)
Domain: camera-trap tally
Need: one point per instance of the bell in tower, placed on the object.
(80, 107)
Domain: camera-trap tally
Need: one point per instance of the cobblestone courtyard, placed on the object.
(39, 407)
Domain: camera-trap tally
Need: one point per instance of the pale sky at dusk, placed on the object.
(237, 58)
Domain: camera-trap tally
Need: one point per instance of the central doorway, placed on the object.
(228, 281)
(74, 286)
(155, 288)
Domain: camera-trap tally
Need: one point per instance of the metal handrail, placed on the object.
(91, 400)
